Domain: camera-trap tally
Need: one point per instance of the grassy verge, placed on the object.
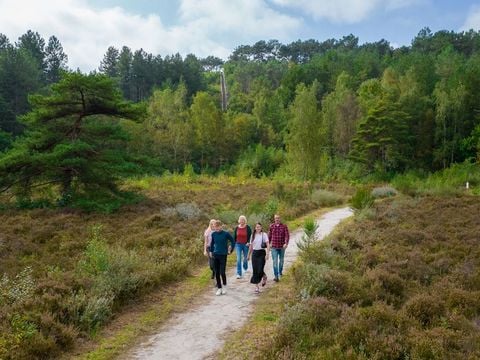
(253, 339)
(135, 323)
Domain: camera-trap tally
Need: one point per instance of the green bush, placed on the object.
(100, 201)
(260, 160)
(448, 182)
(362, 199)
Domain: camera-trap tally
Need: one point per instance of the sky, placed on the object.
(86, 28)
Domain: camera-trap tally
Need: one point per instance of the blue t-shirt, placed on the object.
(219, 244)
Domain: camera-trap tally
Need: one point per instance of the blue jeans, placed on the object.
(277, 258)
(239, 250)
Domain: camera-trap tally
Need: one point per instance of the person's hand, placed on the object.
(205, 252)
(211, 254)
(285, 246)
(229, 249)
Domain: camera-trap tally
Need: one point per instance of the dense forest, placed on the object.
(313, 110)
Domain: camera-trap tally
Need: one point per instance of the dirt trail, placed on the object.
(200, 333)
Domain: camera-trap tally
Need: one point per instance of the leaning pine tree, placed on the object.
(73, 140)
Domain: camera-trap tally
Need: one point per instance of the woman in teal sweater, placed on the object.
(219, 249)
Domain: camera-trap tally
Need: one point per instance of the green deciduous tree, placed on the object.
(304, 140)
(209, 129)
(340, 113)
(169, 125)
(450, 99)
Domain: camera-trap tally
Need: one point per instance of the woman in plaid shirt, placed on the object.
(279, 237)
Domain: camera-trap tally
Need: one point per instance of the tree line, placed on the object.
(308, 109)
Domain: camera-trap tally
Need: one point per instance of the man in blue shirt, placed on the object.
(219, 249)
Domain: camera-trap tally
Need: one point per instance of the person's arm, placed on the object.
(249, 234)
(235, 234)
(250, 250)
(205, 243)
(212, 244)
(268, 247)
(232, 246)
(287, 236)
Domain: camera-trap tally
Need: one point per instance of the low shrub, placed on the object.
(383, 192)
(362, 199)
(188, 211)
(386, 286)
(373, 332)
(18, 290)
(427, 309)
(326, 198)
(304, 318)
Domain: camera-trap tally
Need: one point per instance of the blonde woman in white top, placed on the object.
(206, 245)
(258, 253)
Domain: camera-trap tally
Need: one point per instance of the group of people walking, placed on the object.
(250, 245)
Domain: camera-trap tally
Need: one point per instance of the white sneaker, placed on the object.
(219, 292)
(239, 276)
(223, 291)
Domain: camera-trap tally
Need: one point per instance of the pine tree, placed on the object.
(55, 60)
(73, 139)
(109, 64)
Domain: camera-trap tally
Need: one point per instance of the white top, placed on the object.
(257, 240)
(208, 235)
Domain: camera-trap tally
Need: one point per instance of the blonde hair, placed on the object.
(242, 217)
(212, 222)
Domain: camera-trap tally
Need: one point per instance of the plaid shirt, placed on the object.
(278, 235)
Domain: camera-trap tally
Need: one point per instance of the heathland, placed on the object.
(108, 179)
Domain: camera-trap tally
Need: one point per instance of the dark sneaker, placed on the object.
(276, 279)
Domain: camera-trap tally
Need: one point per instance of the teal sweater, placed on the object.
(219, 244)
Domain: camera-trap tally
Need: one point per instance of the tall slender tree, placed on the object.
(109, 64)
(304, 142)
(55, 60)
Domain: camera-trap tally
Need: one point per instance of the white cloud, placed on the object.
(205, 27)
(473, 20)
(344, 11)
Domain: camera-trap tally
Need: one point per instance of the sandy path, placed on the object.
(199, 333)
